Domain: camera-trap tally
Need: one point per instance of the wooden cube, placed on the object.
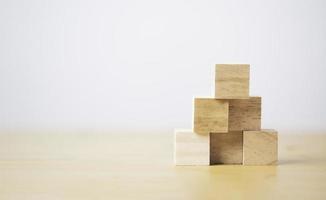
(226, 148)
(210, 115)
(245, 114)
(191, 148)
(260, 147)
(232, 81)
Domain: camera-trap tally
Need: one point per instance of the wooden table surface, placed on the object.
(81, 166)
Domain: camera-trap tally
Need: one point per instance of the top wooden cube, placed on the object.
(232, 81)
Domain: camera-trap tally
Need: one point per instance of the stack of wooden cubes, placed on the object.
(227, 128)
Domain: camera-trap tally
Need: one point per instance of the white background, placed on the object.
(136, 65)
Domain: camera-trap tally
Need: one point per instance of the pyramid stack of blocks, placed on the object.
(227, 128)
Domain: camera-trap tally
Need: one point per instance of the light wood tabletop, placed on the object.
(140, 166)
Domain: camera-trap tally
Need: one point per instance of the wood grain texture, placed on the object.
(226, 148)
(210, 115)
(245, 114)
(260, 147)
(84, 165)
(191, 148)
(232, 81)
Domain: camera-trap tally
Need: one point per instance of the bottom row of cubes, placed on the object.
(239, 147)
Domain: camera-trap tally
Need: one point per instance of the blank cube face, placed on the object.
(226, 148)
(191, 148)
(231, 81)
(245, 114)
(210, 115)
(260, 147)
